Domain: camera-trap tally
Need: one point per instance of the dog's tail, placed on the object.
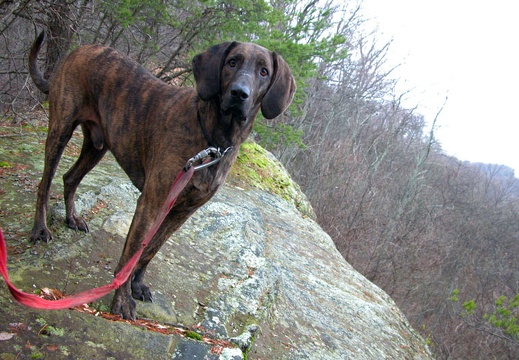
(36, 75)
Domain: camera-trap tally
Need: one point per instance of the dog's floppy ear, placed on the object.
(207, 67)
(281, 90)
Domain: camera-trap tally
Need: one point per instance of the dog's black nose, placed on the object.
(240, 92)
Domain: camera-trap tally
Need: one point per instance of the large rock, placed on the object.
(248, 268)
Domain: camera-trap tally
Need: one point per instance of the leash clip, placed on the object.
(207, 157)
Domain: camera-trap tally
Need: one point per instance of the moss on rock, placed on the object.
(256, 167)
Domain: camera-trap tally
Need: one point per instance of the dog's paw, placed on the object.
(41, 233)
(124, 305)
(76, 222)
(141, 292)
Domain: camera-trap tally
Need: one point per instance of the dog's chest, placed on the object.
(207, 181)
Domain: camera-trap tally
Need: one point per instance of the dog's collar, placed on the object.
(206, 158)
(204, 131)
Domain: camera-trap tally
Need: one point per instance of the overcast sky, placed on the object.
(467, 51)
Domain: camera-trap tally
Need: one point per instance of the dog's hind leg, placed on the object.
(92, 152)
(57, 139)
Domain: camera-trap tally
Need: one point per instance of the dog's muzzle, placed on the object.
(238, 100)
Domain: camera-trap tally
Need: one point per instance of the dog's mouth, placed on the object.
(235, 112)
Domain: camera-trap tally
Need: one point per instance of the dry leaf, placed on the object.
(6, 336)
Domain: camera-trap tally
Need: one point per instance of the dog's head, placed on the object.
(244, 77)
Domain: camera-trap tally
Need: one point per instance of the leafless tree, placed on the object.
(415, 221)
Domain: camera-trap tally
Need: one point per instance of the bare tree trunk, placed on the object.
(60, 29)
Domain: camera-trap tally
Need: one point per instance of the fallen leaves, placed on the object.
(217, 344)
(51, 294)
(6, 336)
(16, 329)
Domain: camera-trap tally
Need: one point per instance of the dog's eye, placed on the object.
(232, 63)
(264, 72)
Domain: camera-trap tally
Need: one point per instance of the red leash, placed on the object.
(207, 157)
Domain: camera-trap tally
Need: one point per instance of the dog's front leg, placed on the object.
(123, 304)
(147, 210)
(145, 213)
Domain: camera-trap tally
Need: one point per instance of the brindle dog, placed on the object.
(152, 129)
